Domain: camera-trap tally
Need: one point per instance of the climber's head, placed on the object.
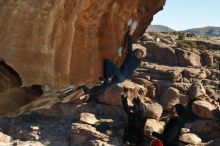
(139, 51)
(178, 109)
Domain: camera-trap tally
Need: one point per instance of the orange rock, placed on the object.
(64, 42)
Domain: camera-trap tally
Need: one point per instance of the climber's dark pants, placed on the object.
(110, 70)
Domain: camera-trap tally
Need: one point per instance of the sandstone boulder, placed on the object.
(188, 58)
(154, 110)
(192, 73)
(196, 90)
(147, 85)
(112, 95)
(171, 97)
(205, 126)
(208, 58)
(27, 143)
(154, 125)
(88, 118)
(83, 134)
(51, 37)
(190, 138)
(161, 72)
(203, 109)
(5, 138)
(161, 53)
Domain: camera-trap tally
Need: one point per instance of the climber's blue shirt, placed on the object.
(131, 61)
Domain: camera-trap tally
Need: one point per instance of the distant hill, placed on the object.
(159, 28)
(209, 31)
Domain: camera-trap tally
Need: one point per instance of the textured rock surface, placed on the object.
(196, 90)
(4, 138)
(203, 109)
(205, 126)
(8, 77)
(65, 125)
(62, 42)
(161, 52)
(154, 110)
(62, 118)
(112, 96)
(188, 58)
(154, 125)
(171, 97)
(190, 138)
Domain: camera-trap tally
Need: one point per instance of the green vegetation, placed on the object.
(186, 43)
(155, 35)
(190, 44)
(181, 36)
(202, 47)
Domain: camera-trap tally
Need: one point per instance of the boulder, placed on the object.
(154, 110)
(196, 90)
(162, 72)
(161, 53)
(98, 143)
(88, 118)
(203, 109)
(192, 73)
(188, 58)
(93, 113)
(112, 95)
(205, 126)
(83, 134)
(190, 138)
(161, 86)
(53, 125)
(208, 58)
(5, 138)
(28, 143)
(171, 97)
(147, 85)
(154, 125)
(92, 30)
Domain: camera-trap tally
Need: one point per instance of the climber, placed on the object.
(172, 130)
(113, 74)
(136, 115)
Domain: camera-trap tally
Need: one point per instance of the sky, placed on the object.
(186, 14)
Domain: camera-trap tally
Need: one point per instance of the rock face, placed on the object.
(8, 77)
(161, 52)
(62, 42)
(188, 58)
(63, 118)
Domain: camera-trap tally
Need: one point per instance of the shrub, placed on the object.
(192, 44)
(181, 36)
(202, 47)
(186, 44)
(155, 35)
